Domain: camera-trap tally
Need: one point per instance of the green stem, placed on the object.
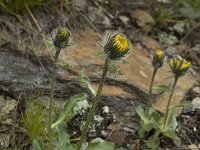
(169, 102)
(94, 103)
(51, 98)
(151, 86)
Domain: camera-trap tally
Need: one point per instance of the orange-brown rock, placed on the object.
(138, 72)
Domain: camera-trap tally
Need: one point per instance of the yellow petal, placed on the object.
(121, 43)
(159, 53)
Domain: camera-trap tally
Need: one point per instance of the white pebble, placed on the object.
(106, 109)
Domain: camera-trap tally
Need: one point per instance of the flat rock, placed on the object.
(137, 73)
(24, 73)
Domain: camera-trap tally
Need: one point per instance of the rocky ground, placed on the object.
(25, 66)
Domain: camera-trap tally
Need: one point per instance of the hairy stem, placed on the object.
(151, 86)
(94, 103)
(51, 99)
(169, 101)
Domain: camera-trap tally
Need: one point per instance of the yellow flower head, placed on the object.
(158, 58)
(62, 32)
(179, 66)
(61, 37)
(121, 43)
(117, 46)
(159, 53)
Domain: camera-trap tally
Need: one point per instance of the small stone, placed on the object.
(177, 143)
(128, 129)
(84, 145)
(166, 39)
(81, 107)
(79, 4)
(105, 109)
(98, 119)
(113, 126)
(196, 90)
(170, 51)
(193, 147)
(196, 103)
(142, 73)
(6, 106)
(186, 116)
(4, 140)
(118, 137)
(179, 27)
(164, 1)
(97, 140)
(107, 22)
(104, 133)
(143, 19)
(124, 19)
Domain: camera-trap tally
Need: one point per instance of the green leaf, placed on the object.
(104, 145)
(84, 79)
(147, 127)
(171, 134)
(63, 137)
(68, 111)
(64, 65)
(153, 143)
(171, 121)
(141, 133)
(161, 88)
(140, 111)
(36, 145)
(154, 140)
(187, 104)
(151, 111)
(155, 117)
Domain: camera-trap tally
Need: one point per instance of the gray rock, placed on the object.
(196, 89)
(79, 4)
(196, 103)
(167, 39)
(124, 20)
(4, 140)
(6, 106)
(170, 51)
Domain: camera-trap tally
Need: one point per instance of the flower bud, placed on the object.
(179, 66)
(117, 46)
(61, 37)
(158, 58)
